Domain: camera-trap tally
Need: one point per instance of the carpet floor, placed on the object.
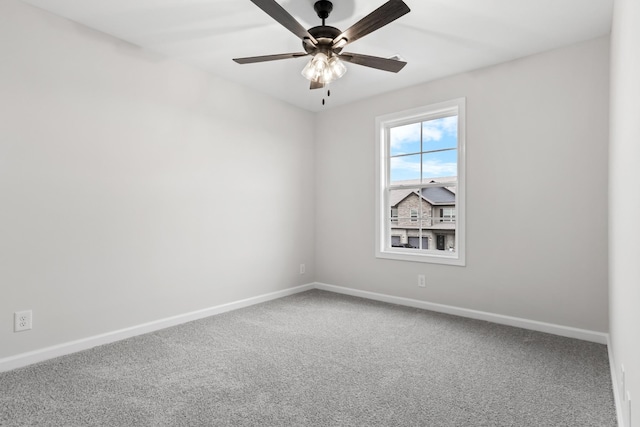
(320, 359)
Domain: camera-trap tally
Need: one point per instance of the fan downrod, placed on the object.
(323, 8)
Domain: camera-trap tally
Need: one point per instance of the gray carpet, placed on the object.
(320, 359)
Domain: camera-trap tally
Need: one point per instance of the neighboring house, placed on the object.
(424, 216)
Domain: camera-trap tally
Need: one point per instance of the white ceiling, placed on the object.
(437, 38)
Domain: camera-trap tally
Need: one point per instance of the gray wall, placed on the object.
(537, 136)
(624, 190)
(127, 185)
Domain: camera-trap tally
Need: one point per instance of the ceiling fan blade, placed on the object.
(316, 85)
(388, 12)
(264, 58)
(277, 12)
(392, 65)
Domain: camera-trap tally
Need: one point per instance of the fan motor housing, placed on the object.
(325, 36)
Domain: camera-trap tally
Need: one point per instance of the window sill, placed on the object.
(433, 257)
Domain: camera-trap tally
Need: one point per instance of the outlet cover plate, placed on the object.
(422, 281)
(22, 320)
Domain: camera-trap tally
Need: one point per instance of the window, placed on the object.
(447, 214)
(420, 157)
(394, 214)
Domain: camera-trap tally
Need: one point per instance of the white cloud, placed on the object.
(403, 135)
(432, 130)
(404, 169)
(401, 164)
(436, 169)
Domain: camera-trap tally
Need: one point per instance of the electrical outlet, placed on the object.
(22, 320)
(422, 281)
(302, 269)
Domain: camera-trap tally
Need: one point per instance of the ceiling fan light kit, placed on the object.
(322, 70)
(325, 43)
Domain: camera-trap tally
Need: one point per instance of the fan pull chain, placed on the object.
(328, 95)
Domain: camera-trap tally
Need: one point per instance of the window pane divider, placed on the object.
(423, 185)
(439, 150)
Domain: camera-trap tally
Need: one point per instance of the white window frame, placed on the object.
(383, 239)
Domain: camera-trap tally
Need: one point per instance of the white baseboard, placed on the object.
(40, 355)
(24, 359)
(617, 399)
(565, 331)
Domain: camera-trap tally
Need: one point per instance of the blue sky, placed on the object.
(407, 151)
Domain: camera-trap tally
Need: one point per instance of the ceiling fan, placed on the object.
(325, 43)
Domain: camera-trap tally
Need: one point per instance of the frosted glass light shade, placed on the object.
(337, 68)
(315, 69)
(321, 69)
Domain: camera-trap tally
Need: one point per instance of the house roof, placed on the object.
(436, 196)
(447, 179)
(439, 195)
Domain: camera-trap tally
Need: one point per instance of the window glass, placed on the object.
(404, 139)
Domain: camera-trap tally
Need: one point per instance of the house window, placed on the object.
(420, 158)
(447, 214)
